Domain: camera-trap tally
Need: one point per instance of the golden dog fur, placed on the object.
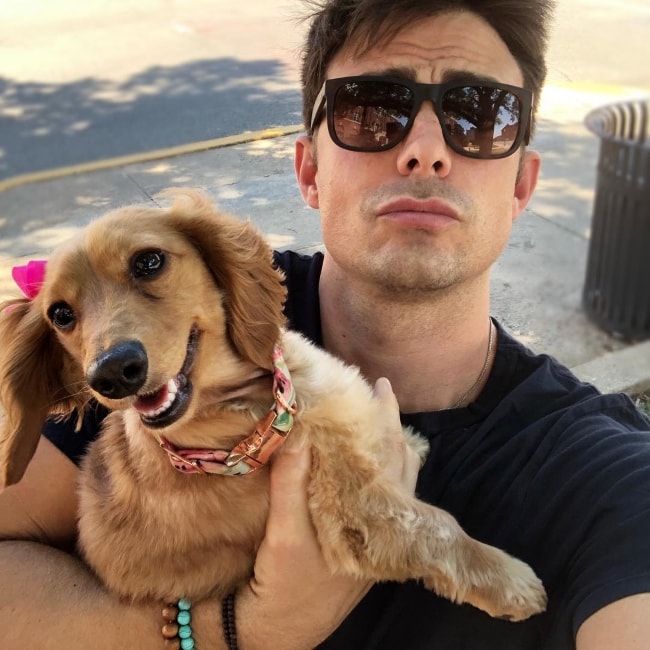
(150, 531)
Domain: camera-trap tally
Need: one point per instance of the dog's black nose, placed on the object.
(120, 371)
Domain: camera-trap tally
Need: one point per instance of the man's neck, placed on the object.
(431, 348)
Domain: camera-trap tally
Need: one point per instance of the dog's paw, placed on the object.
(510, 590)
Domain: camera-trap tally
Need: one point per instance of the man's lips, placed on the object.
(431, 214)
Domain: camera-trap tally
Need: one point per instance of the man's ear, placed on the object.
(305, 167)
(526, 182)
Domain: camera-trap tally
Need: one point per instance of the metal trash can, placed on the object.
(617, 285)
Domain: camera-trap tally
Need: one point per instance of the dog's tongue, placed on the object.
(153, 401)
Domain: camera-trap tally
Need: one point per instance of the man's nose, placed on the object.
(424, 151)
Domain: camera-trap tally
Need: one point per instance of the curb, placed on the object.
(624, 371)
(147, 156)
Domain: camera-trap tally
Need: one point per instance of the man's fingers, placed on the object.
(403, 463)
(384, 393)
(393, 441)
(410, 469)
(289, 511)
(289, 517)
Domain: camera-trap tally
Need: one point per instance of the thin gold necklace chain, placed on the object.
(486, 364)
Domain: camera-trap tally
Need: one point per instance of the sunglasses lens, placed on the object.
(481, 121)
(371, 115)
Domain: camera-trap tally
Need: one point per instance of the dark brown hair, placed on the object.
(523, 25)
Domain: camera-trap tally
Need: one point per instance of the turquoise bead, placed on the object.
(183, 617)
(187, 644)
(184, 604)
(185, 631)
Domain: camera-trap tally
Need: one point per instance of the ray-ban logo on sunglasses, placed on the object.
(375, 113)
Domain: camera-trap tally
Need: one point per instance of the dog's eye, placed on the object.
(147, 264)
(62, 316)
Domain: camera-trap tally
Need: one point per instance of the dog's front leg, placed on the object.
(370, 528)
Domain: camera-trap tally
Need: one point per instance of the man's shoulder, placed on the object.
(547, 388)
(534, 420)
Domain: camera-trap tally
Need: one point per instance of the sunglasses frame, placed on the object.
(422, 92)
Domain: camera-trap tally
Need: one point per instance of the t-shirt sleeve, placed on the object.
(302, 308)
(72, 442)
(592, 499)
(613, 559)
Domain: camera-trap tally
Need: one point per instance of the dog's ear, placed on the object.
(33, 384)
(242, 263)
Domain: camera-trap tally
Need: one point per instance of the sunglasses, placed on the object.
(375, 113)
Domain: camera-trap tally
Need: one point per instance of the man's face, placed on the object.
(419, 216)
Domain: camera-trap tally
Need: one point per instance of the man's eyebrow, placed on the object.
(467, 77)
(404, 73)
(448, 76)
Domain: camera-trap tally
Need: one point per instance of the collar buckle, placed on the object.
(255, 450)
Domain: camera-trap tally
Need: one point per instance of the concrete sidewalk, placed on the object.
(537, 284)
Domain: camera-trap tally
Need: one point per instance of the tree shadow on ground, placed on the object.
(44, 126)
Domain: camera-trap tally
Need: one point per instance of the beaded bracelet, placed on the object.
(228, 621)
(178, 631)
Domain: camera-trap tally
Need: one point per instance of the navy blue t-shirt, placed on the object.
(540, 465)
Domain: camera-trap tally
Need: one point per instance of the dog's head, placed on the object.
(145, 309)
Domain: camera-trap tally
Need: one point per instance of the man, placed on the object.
(417, 198)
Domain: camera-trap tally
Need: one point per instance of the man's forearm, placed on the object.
(50, 600)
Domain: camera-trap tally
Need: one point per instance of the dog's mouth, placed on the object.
(168, 403)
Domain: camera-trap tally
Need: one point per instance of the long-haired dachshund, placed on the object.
(173, 320)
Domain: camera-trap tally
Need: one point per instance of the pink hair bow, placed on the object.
(30, 277)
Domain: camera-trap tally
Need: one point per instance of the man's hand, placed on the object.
(293, 602)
